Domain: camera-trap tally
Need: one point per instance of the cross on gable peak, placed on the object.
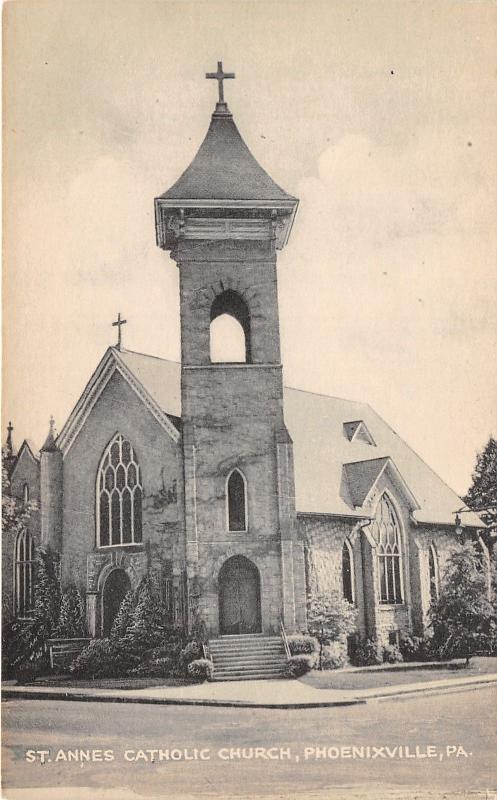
(220, 76)
(119, 322)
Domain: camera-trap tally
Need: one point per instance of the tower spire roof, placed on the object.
(225, 169)
(50, 445)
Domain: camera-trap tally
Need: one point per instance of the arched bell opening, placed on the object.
(230, 329)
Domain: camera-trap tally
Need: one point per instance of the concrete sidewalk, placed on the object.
(250, 694)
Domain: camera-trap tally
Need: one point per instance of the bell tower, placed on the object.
(223, 222)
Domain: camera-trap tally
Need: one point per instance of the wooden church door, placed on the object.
(116, 587)
(239, 597)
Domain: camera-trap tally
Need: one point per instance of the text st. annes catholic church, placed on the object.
(244, 496)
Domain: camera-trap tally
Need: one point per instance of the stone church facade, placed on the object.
(244, 497)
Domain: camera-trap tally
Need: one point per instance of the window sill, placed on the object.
(115, 546)
(392, 605)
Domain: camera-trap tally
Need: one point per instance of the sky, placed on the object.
(378, 116)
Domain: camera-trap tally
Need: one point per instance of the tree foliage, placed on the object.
(124, 616)
(26, 640)
(331, 618)
(147, 623)
(463, 617)
(15, 513)
(72, 619)
(483, 491)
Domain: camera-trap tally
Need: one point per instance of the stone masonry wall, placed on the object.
(324, 537)
(26, 471)
(232, 416)
(119, 409)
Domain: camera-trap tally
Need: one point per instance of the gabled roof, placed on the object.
(161, 378)
(225, 169)
(28, 448)
(332, 474)
(155, 386)
(321, 450)
(363, 476)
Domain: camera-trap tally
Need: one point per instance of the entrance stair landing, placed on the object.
(251, 656)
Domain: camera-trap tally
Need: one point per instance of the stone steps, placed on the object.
(247, 657)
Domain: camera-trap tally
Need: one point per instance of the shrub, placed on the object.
(155, 668)
(331, 619)
(299, 665)
(104, 658)
(170, 650)
(462, 616)
(367, 654)
(334, 655)
(302, 645)
(190, 652)
(415, 648)
(146, 626)
(124, 616)
(392, 654)
(25, 641)
(201, 669)
(30, 670)
(72, 619)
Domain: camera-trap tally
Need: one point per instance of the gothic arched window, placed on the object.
(119, 495)
(433, 570)
(25, 494)
(230, 329)
(236, 497)
(347, 572)
(23, 573)
(385, 530)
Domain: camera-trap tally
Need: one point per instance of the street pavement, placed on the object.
(421, 747)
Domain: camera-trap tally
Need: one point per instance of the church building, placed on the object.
(245, 497)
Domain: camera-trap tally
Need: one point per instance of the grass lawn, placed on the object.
(105, 683)
(370, 678)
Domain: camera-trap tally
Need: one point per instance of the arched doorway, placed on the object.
(116, 586)
(239, 597)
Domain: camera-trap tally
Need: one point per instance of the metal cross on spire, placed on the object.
(119, 322)
(220, 76)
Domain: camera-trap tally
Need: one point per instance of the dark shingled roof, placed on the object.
(361, 475)
(224, 169)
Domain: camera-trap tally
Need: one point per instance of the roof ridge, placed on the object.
(292, 388)
(369, 460)
(330, 397)
(414, 453)
(146, 355)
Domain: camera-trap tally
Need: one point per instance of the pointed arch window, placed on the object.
(433, 570)
(23, 574)
(385, 529)
(25, 494)
(119, 495)
(236, 499)
(348, 572)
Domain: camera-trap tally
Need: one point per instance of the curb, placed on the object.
(24, 693)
